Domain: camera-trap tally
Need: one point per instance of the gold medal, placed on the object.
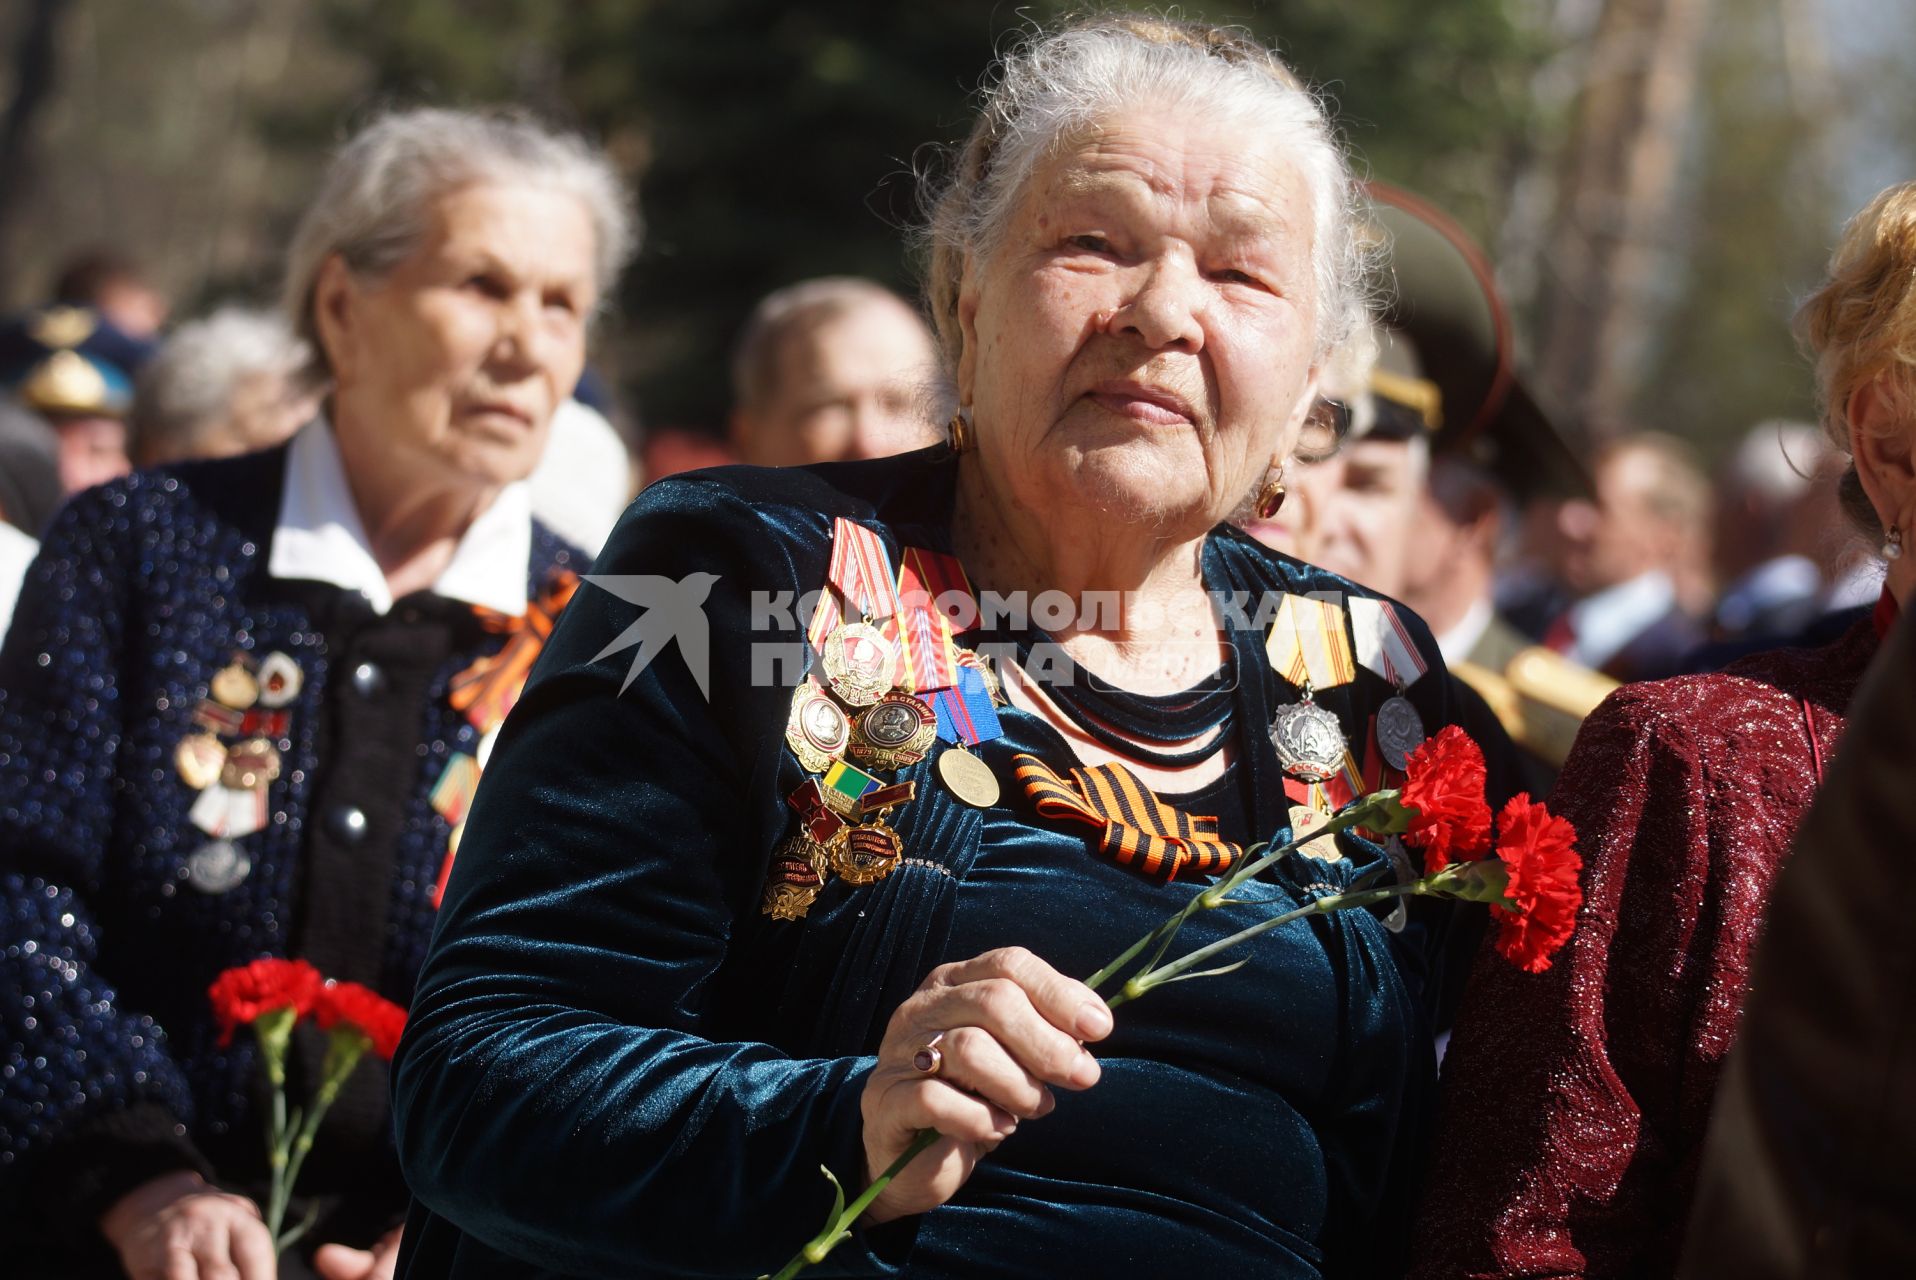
(199, 759)
(250, 766)
(816, 730)
(1305, 819)
(894, 733)
(968, 778)
(866, 854)
(792, 882)
(233, 686)
(859, 663)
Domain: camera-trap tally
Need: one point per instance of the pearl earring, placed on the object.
(1893, 544)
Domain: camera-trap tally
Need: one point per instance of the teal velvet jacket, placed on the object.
(616, 1066)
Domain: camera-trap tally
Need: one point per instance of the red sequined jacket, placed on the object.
(1575, 1101)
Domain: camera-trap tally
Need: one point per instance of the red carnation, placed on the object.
(1538, 851)
(1444, 783)
(379, 1018)
(242, 994)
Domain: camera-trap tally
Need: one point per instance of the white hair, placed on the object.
(1055, 86)
(187, 387)
(372, 204)
(795, 309)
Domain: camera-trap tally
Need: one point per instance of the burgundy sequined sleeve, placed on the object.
(1563, 1090)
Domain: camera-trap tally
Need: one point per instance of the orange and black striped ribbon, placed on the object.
(487, 690)
(1141, 832)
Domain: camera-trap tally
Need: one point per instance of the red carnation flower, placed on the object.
(1444, 783)
(1538, 850)
(379, 1018)
(242, 994)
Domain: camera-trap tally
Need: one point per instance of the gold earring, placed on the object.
(1271, 497)
(960, 432)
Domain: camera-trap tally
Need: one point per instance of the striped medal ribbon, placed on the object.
(1141, 833)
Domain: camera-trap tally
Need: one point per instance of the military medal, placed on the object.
(867, 853)
(792, 883)
(1309, 741)
(1400, 731)
(1384, 646)
(214, 718)
(279, 680)
(251, 765)
(894, 733)
(199, 759)
(859, 663)
(229, 811)
(816, 728)
(1306, 818)
(234, 686)
(968, 778)
(967, 718)
(820, 820)
(218, 866)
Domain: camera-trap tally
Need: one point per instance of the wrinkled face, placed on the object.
(1140, 346)
(455, 360)
(1366, 500)
(857, 385)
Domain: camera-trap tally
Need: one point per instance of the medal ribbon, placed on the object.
(1383, 642)
(859, 575)
(486, 693)
(488, 689)
(861, 570)
(924, 576)
(1308, 644)
(1141, 832)
(964, 711)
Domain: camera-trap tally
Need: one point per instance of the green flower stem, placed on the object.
(1140, 983)
(343, 1051)
(1379, 811)
(1218, 893)
(273, 1030)
(840, 1226)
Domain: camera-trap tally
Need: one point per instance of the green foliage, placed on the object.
(779, 140)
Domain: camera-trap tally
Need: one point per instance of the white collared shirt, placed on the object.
(1456, 643)
(320, 536)
(1602, 624)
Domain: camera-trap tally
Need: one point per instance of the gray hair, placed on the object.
(188, 385)
(1054, 85)
(372, 204)
(797, 308)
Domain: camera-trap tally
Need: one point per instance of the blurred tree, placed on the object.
(1757, 239)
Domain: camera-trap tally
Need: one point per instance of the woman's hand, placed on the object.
(178, 1228)
(337, 1262)
(1010, 1027)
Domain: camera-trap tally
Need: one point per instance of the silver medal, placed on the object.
(218, 866)
(1309, 741)
(1400, 731)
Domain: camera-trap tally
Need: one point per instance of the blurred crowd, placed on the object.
(1635, 560)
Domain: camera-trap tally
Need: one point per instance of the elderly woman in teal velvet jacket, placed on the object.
(720, 919)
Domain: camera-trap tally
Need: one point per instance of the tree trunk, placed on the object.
(1620, 174)
(35, 76)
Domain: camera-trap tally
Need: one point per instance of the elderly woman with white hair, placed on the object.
(243, 703)
(729, 909)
